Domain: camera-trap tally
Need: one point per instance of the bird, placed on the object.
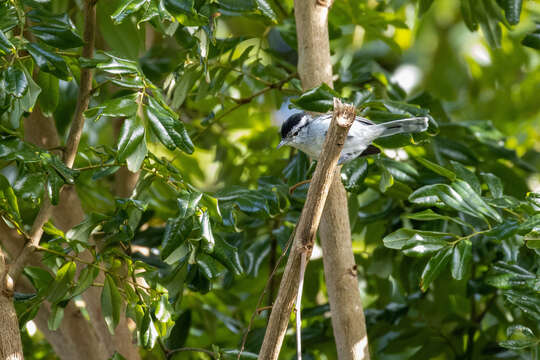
(307, 133)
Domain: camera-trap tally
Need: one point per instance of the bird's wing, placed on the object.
(364, 121)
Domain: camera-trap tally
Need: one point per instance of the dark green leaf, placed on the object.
(519, 337)
(85, 280)
(132, 143)
(434, 267)
(387, 180)
(55, 317)
(62, 282)
(494, 185)
(353, 175)
(180, 331)
(512, 10)
(16, 82)
(187, 203)
(125, 106)
(111, 303)
(49, 96)
(398, 239)
(461, 259)
(264, 7)
(532, 40)
(48, 62)
(468, 176)
(423, 243)
(468, 15)
(206, 231)
(319, 99)
(167, 127)
(436, 168)
(227, 255)
(8, 200)
(474, 200)
(117, 356)
(54, 184)
(40, 278)
(6, 47)
(55, 36)
(82, 231)
(423, 6)
(127, 8)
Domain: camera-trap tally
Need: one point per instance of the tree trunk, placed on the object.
(10, 338)
(315, 68)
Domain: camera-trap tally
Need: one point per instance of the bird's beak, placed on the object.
(281, 143)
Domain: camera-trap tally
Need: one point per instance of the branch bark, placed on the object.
(307, 229)
(315, 68)
(10, 338)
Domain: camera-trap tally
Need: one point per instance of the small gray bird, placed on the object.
(307, 133)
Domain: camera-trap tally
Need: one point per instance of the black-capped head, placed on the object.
(292, 126)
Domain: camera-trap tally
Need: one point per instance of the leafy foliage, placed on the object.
(445, 224)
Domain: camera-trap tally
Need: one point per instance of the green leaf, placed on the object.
(125, 106)
(468, 176)
(461, 259)
(266, 10)
(206, 231)
(55, 30)
(353, 175)
(167, 127)
(512, 10)
(532, 39)
(428, 215)
(423, 6)
(519, 337)
(62, 282)
(436, 168)
(434, 267)
(187, 203)
(117, 66)
(423, 243)
(55, 317)
(85, 280)
(398, 239)
(8, 200)
(6, 47)
(16, 82)
(40, 278)
(82, 231)
(54, 184)
(111, 303)
(494, 185)
(227, 255)
(387, 180)
(127, 8)
(180, 331)
(468, 15)
(62, 38)
(474, 200)
(48, 61)
(319, 99)
(532, 239)
(132, 143)
(50, 94)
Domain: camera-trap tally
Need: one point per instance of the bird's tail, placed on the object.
(415, 124)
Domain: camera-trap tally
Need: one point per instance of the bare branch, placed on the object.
(307, 229)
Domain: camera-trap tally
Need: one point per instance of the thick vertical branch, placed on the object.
(315, 68)
(10, 338)
(306, 229)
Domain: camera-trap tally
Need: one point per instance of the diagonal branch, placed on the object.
(72, 144)
(307, 229)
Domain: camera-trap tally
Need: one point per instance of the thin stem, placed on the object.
(242, 101)
(89, 263)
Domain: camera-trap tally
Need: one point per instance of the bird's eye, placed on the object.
(295, 133)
